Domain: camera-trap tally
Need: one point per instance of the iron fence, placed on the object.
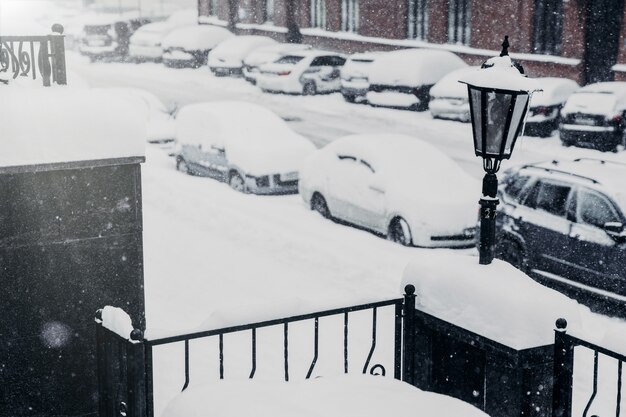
(126, 365)
(562, 396)
(27, 56)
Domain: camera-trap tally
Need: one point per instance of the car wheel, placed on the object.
(511, 252)
(237, 183)
(181, 165)
(309, 89)
(318, 203)
(399, 232)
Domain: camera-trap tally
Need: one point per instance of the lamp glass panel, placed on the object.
(498, 105)
(518, 112)
(477, 123)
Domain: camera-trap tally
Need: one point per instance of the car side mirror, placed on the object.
(615, 230)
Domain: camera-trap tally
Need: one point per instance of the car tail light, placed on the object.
(284, 73)
(617, 118)
(541, 110)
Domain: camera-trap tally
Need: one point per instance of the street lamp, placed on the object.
(499, 94)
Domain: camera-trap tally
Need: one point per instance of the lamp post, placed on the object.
(499, 95)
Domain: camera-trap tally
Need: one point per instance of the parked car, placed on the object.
(189, 46)
(563, 221)
(305, 72)
(145, 44)
(594, 116)
(355, 76)
(448, 97)
(267, 54)
(108, 36)
(384, 183)
(160, 122)
(545, 106)
(403, 78)
(241, 143)
(227, 58)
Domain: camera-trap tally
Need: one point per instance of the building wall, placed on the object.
(387, 20)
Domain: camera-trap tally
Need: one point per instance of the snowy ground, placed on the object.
(211, 252)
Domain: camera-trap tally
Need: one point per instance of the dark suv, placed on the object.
(563, 221)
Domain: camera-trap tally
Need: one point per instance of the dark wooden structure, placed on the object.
(70, 242)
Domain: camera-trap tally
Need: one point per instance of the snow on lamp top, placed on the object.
(500, 73)
(63, 125)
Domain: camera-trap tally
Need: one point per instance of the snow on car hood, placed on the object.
(196, 38)
(413, 67)
(254, 138)
(450, 87)
(554, 91)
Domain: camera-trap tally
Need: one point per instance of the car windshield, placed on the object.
(289, 59)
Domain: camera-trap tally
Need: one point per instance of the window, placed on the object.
(269, 10)
(548, 27)
(289, 59)
(418, 19)
(595, 209)
(552, 197)
(213, 7)
(514, 185)
(350, 15)
(459, 16)
(318, 14)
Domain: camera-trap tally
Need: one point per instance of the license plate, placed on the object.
(292, 176)
(585, 121)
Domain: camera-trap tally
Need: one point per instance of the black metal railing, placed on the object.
(27, 56)
(122, 361)
(562, 395)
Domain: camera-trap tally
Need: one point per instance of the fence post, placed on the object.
(563, 371)
(408, 330)
(103, 391)
(136, 375)
(57, 54)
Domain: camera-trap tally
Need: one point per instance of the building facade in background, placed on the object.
(579, 39)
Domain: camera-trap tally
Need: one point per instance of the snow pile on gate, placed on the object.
(58, 124)
(348, 395)
(496, 301)
(117, 320)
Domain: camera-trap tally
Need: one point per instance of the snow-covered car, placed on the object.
(227, 58)
(448, 97)
(385, 183)
(304, 72)
(241, 143)
(403, 78)
(145, 44)
(160, 123)
(545, 106)
(355, 77)
(108, 36)
(267, 54)
(595, 116)
(189, 46)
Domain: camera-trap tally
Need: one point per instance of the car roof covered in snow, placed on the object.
(196, 37)
(449, 86)
(242, 45)
(555, 90)
(413, 67)
(606, 98)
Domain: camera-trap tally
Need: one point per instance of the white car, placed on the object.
(448, 97)
(545, 105)
(403, 78)
(145, 44)
(160, 123)
(227, 58)
(395, 185)
(189, 46)
(355, 76)
(304, 72)
(243, 144)
(266, 55)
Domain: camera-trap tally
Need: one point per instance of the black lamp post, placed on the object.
(499, 94)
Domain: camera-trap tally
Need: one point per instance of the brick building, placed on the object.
(581, 39)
